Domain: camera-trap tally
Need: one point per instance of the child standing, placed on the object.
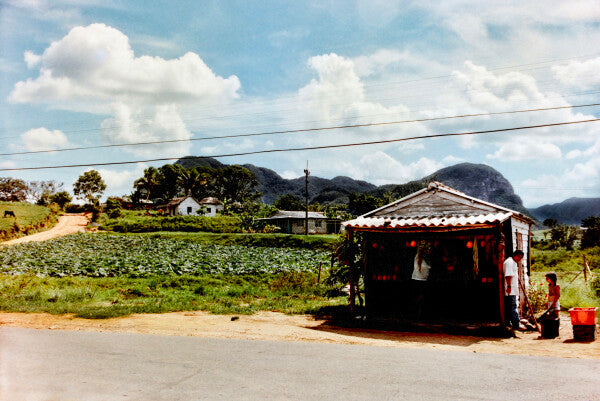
(553, 295)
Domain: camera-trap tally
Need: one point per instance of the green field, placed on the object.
(102, 275)
(28, 219)
(575, 291)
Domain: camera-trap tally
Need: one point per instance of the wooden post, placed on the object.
(319, 275)
(584, 269)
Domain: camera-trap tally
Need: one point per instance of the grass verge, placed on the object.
(28, 219)
(291, 293)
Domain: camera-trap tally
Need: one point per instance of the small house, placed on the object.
(293, 222)
(183, 206)
(211, 206)
(464, 242)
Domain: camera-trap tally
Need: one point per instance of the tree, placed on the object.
(61, 198)
(146, 186)
(189, 180)
(564, 235)
(89, 187)
(113, 207)
(12, 189)
(550, 223)
(289, 202)
(591, 233)
(360, 204)
(168, 182)
(237, 184)
(42, 191)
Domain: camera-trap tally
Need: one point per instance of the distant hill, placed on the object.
(570, 211)
(477, 180)
(272, 186)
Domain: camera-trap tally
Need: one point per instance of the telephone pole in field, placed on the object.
(306, 173)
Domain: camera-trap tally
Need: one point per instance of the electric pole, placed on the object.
(306, 173)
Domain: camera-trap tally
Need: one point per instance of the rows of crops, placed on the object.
(105, 255)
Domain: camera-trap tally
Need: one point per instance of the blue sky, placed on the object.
(91, 72)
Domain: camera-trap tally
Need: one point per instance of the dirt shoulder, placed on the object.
(67, 224)
(272, 326)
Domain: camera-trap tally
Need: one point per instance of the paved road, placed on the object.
(62, 365)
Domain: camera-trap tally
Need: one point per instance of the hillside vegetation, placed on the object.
(28, 219)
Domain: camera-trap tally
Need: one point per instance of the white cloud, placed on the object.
(121, 181)
(380, 168)
(158, 123)
(96, 63)
(44, 139)
(31, 59)
(94, 69)
(526, 150)
(581, 179)
(448, 160)
(290, 175)
(579, 74)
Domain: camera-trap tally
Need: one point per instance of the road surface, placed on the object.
(67, 224)
(65, 365)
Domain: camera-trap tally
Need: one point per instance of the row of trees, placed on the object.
(39, 192)
(232, 184)
(562, 235)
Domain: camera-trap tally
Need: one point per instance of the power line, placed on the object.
(297, 130)
(313, 147)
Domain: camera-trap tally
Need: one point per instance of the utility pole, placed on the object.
(306, 173)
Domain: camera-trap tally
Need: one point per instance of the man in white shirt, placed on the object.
(511, 289)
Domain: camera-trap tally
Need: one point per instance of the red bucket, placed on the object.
(584, 316)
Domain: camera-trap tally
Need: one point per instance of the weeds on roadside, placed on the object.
(117, 296)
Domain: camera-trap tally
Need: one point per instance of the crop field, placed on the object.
(107, 275)
(108, 255)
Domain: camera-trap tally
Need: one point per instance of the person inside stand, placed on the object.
(511, 290)
(420, 276)
(553, 295)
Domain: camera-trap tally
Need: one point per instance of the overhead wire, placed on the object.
(383, 141)
(296, 130)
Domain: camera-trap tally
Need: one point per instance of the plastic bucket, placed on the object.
(584, 316)
(550, 327)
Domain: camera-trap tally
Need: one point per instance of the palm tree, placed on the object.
(148, 182)
(189, 180)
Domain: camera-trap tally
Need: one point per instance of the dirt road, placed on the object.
(273, 326)
(67, 224)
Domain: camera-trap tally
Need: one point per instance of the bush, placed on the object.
(141, 224)
(538, 296)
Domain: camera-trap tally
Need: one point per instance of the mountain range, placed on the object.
(476, 180)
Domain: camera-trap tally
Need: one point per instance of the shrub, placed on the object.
(538, 296)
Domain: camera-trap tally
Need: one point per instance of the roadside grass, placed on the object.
(105, 297)
(28, 219)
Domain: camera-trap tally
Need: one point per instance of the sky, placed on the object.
(92, 73)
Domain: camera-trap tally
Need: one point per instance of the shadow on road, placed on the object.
(341, 321)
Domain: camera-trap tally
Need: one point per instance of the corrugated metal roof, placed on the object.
(427, 221)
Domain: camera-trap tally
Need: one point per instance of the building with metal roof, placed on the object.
(463, 242)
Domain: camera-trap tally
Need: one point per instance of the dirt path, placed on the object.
(272, 326)
(67, 224)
